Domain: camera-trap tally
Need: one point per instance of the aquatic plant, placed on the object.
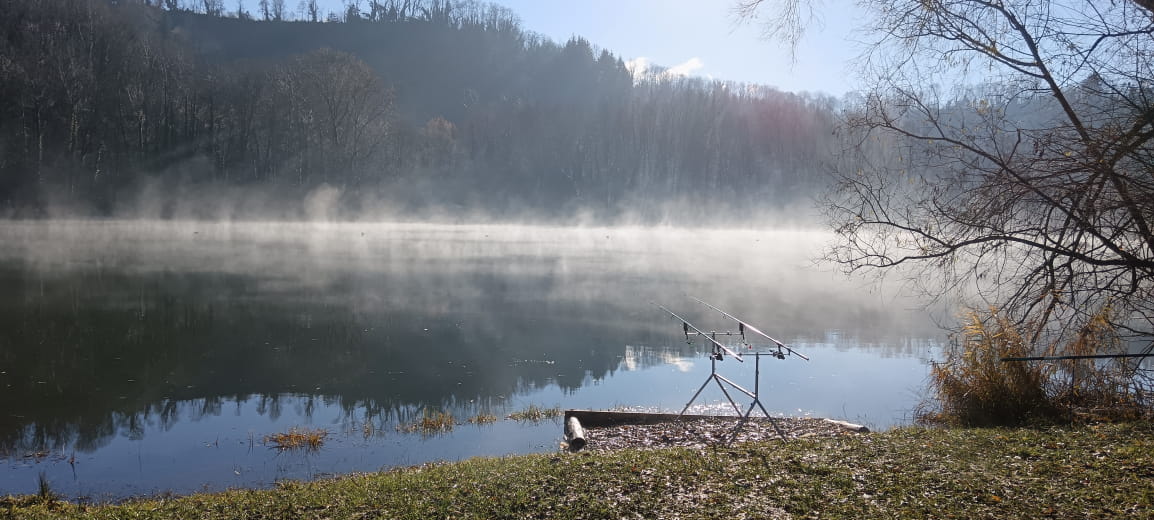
(298, 438)
(431, 422)
(535, 413)
(482, 418)
(44, 492)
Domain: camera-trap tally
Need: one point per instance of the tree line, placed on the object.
(419, 105)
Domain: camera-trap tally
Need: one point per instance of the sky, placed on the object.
(701, 38)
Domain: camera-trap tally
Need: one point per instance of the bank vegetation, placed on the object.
(1092, 471)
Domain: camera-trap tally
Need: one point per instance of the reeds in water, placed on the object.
(431, 422)
(298, 438)
(975, 387)
(535, 413)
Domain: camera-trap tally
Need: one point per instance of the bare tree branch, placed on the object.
(783, 21)
(1029, 176)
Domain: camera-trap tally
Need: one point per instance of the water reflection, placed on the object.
(115, 331)
(87, 353)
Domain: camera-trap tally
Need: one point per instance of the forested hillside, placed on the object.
(411, 109)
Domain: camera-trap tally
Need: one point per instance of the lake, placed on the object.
(150, 357)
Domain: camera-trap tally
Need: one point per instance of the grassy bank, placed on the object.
(1085, 472)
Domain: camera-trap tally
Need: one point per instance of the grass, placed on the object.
(298, 438)
(535, 413)
(483, 418)
(45, 494)
(974, 387)
(1093, 471)
(431, 422)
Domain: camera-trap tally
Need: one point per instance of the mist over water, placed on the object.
(145, 356)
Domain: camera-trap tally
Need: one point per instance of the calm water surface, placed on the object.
(143, 357)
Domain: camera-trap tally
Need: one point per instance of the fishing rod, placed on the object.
(723, 382)
(686, 326)
(742, 325)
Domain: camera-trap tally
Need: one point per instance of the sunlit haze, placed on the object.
(247, 242)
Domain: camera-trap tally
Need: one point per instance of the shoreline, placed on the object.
(1098, 470)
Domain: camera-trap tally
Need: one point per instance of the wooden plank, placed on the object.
(599, 419)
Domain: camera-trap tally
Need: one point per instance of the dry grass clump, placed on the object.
(430, 423)
(482, 418)
(1099, 390)
(974, 387)
(535, 413)
(298, 438)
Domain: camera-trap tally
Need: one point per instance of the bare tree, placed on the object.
(213, 7)
(783, 21)
(310, 10)
(352, 10)
(340, 111)
(1031, 190)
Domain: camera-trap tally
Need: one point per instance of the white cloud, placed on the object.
(642, 68)
(685, 69)
(638, 66)
(680, 363)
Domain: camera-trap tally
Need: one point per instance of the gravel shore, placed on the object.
(696, 433)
